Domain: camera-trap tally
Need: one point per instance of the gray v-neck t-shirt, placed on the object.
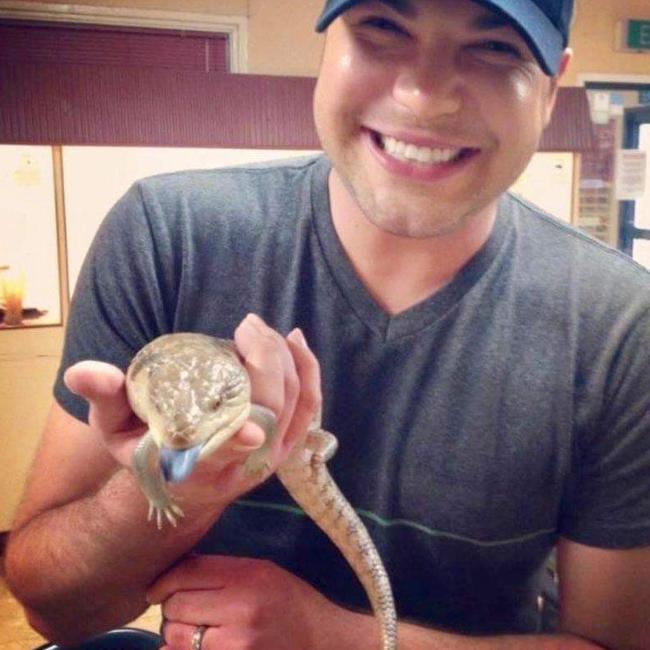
(476, 428)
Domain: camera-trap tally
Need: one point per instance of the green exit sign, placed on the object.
(638, 35)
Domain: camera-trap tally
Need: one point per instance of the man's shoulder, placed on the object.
(261, 176)
(564, 250)
(205, 206)
(239, 196)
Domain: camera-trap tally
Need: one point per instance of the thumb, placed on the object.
(102, 385)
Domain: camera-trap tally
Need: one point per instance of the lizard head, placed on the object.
(192, 391)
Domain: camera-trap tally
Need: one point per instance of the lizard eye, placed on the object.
(214, 404)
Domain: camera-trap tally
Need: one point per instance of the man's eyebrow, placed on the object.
(484, 22)
(403, 7)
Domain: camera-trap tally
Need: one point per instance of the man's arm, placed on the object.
(605, 594)
(243, 598)
(414, 638)
(605, 602)
(82, 553)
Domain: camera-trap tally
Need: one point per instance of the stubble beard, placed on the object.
(413, 216)
(392, 208)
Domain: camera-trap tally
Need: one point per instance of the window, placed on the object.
(102, 45)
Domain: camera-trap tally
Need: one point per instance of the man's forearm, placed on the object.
(361, 633)
(412, 637)
(84, 566)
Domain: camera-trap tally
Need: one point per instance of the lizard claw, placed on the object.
(256, 466)
(169, 509)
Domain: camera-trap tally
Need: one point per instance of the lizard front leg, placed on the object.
(322, 444)
(259, 461)
(151, 482)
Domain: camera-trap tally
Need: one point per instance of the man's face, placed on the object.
(429, 110)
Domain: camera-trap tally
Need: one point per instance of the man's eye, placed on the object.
(382, 25)
(501, 47)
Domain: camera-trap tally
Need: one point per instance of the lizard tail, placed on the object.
(310, 484)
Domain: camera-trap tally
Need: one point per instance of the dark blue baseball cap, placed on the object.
(544, 24)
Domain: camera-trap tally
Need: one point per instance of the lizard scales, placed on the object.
(194, 393)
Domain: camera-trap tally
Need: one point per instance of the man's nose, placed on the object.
(429, 89)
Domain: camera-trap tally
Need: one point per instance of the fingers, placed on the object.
(195, 591)
(215, 637)
(196, 572)
(285, 377)
(180, 635)
(241, 602)
(270, 365)
(192, 572)
(249, 438)
(102, 385)
(190, 606)
(309, 402)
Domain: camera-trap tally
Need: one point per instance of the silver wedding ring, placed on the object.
(197, 637)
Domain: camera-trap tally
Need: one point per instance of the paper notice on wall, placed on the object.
(617, 105)
(27, 173)
(600, 106)
(631, 167)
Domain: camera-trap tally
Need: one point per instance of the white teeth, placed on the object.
(411, 152)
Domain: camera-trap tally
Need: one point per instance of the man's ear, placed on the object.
(567, 55)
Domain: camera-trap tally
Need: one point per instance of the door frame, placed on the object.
(628, 232)
(603, 81)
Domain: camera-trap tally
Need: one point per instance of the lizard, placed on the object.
(193, 393)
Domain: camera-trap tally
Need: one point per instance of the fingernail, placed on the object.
(66, 381)
(246, 448)
(297, 336)
(254, 319)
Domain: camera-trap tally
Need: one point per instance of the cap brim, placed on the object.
(333, 10)
(543, 38)
(541, 35)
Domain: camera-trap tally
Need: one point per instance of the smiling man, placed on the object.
(483, 365)
(429, 112)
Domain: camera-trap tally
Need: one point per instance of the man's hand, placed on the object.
(90, 509)
(247, 604)
(284, 377)
(250, 604)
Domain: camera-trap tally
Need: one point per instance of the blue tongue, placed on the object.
(177, 464)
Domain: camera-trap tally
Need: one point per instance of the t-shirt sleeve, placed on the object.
(609, 494)
(119, 299)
